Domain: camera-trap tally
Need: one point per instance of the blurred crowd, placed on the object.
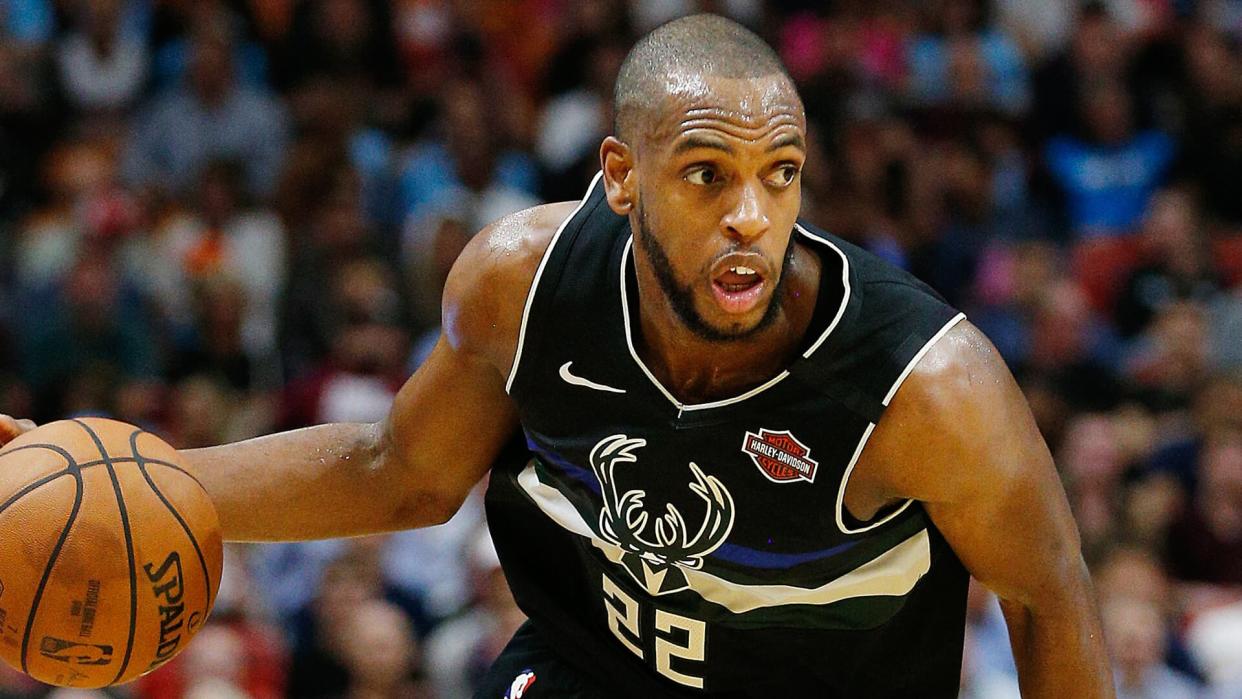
(220, 218)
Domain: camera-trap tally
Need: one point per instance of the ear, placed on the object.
(620, 180)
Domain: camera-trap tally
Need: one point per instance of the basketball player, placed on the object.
(754, 460)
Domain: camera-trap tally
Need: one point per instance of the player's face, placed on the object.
(718, 194)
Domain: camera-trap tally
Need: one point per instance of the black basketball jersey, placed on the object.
(704, 549)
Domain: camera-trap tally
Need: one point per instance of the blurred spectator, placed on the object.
(337, 238)
(1098, 53)
(461, 649)
(649, 14)
(28, 23)
(211, 118)
(356, 384)
(325, 655)
(172, 30)
(1010, 282)
(1109, 174)
(1215, 638)
(1071, 348)
(334, 126)
(202, 410)
(351, 41)
(1176, 263)
(365, 366)
(101, 66)
(1205, 543)
(1171, 359)
(1128, 572)
(91, 324)
(467, 166)
(213, 663)
(963, 57)
(381, 654)
(140, 402)
(1093, 467)
(217, 347)
(1039, 28)
(1134, 631)
(1213, 132)
(573, 122)
(1217, 409)
(430, 565)
(29, 126)
(83, 207)
(225, 256)
(949, 256)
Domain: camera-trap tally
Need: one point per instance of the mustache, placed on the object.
(737, 248)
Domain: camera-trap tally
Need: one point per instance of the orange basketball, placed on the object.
(110, 553)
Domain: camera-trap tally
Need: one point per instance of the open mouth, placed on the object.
(738, 287)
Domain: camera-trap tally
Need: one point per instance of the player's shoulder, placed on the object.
(958, 398)
(487, 287)
(956, 361)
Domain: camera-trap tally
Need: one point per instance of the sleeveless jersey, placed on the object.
(683, 550)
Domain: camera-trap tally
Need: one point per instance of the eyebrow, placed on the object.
(788, 139)
(692, 142)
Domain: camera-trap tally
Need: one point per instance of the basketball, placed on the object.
(110, 553)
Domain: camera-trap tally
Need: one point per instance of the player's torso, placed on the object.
(707, 542)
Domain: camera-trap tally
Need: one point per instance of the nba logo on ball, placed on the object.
(780, 456)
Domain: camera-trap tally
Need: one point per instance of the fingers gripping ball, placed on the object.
(110, 553)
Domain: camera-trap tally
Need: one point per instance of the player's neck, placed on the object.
(695, 369)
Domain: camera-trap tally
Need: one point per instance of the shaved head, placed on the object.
(681, 50)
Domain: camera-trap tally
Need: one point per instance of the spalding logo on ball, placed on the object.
(110, 553)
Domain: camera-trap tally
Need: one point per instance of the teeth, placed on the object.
(741, 270)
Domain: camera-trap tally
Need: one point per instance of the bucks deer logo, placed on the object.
(657, 545)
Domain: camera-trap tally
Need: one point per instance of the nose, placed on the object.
(748, 219)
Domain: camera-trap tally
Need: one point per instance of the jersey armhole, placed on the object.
(841, 514)
(534, 284)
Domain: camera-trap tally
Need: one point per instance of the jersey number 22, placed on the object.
(675, 636)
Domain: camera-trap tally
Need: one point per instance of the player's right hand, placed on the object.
(11, 428)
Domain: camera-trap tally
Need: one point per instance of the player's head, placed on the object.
(705, 161)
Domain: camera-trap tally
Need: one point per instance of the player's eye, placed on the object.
(784, 176)
(702, 176)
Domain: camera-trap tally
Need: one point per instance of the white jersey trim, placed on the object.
(688, 407)
(530, 295)
(862, 443)
(893, 573)
(845, 284)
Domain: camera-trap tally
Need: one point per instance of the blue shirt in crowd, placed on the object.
(1107, 188)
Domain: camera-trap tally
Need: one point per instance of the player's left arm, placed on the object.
(960, 438)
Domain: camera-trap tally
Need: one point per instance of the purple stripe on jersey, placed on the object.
(732, 553)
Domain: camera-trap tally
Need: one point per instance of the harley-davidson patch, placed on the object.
(780, 456)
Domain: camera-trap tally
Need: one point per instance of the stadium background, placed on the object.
(219, 219)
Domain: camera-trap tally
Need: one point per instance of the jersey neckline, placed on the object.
(847, 292)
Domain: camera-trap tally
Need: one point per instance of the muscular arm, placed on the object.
(959, 437)
(412, 469)
(448, 422)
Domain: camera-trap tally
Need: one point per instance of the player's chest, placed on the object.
(759, 469)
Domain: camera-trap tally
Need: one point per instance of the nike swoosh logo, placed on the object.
(579, 381)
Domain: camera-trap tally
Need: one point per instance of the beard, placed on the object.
(681, 296)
